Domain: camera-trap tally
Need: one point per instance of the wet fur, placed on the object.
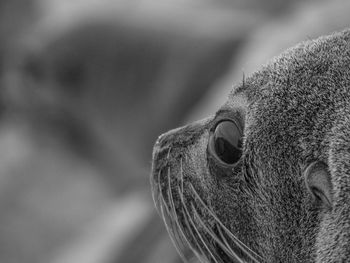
(295, 110)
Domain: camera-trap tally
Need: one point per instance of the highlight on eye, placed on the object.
(226, 142)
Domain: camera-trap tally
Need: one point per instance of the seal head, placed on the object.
(267, 178)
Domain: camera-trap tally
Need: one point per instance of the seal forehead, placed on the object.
(293, 100)
(328, 56)
(237, 102)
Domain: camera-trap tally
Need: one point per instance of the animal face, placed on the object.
(266, 178)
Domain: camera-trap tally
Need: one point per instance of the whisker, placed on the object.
(158, 197)
(161, 197)
(189, 229)
(214, 257)
(172, 236)
(248, 251)
(188, 225)
(168, 154)
(176, 238)
(211, 252)
(167, 221)
(239, 243)
(225, 240)
(225, 247)
(181, 177)
(177, 220)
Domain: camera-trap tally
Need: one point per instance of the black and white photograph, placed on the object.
(164, 131)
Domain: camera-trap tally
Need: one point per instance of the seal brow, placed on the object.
(222, 111)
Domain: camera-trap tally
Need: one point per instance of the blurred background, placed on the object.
(86, 87)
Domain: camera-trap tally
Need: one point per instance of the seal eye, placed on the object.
(227, 142)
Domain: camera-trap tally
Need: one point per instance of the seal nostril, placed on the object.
(318, 182)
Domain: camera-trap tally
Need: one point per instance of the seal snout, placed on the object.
(172, 153)
(162, 173)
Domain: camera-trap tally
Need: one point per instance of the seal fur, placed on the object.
(294, 112)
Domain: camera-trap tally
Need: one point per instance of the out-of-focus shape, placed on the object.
(88, 89)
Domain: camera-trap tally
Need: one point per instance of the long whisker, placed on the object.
(176, 237)
(166, 218)
(158, 197)
(190, 223)
(187, 228)
(177, 220)
(222, 236)
(211, 253)
(171, 234)
(205, 242)
(168, 154)
(161, 196)
(181, 234)
(239, 243)
(225, 247)
(181, 177)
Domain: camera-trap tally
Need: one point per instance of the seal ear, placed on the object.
(318, 182)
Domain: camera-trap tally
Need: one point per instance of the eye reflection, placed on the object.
(227, 140)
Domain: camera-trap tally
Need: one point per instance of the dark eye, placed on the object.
(226, 142)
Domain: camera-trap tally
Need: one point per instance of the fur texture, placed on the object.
(295, 110)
